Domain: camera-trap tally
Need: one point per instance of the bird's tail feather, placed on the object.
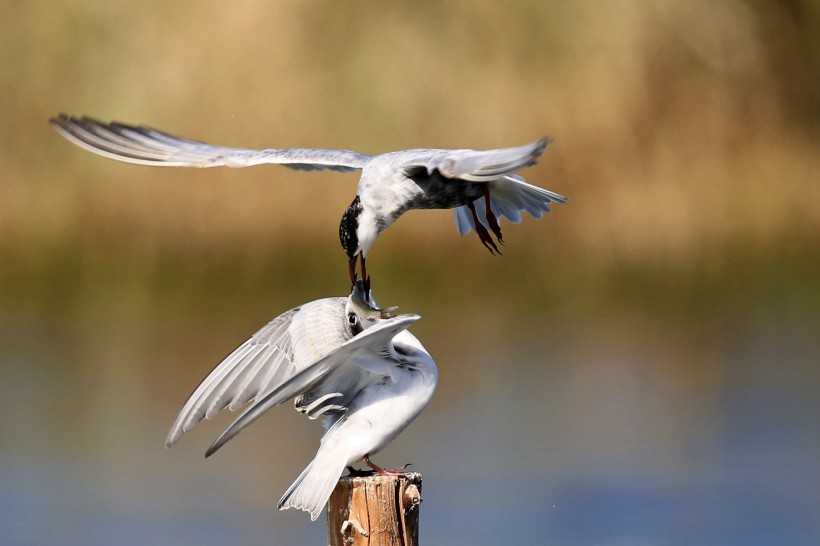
(311, 490)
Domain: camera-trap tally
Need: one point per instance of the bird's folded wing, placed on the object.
(146, 146)
(482, 166)
(254, 368)
(375, 339)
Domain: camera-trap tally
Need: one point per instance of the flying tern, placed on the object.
(391, 183)
(339, 358)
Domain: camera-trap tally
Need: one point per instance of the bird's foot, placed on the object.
(491, 219)
(383, 471)
(486, 240)
(482, 232)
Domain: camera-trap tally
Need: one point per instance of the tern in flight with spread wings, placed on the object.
(339, 358)
(391, 183)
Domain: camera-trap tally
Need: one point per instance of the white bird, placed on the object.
(390, 183)
(339, 358)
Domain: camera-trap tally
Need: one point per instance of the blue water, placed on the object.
(611, 432)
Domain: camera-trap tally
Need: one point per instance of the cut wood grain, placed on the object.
(375, 511)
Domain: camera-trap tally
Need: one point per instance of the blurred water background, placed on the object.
(642, 366)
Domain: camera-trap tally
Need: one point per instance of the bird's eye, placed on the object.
(354, 323)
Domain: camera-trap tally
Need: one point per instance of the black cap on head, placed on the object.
(348, 226)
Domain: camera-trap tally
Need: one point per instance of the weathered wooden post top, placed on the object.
(375, 511)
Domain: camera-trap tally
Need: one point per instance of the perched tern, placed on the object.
(339, 358)
(390, 184)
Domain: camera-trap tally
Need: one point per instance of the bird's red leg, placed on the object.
(381, 471)
(483, 234)
(491, 219)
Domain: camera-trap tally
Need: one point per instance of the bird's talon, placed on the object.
(489, 244)
(491, 218)
(495, 228)
(482, 232)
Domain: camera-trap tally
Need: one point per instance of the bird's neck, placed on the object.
(370, 226)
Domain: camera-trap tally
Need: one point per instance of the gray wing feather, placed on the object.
(251, 369)
(477, 166)
(375, 339)
(146, 146)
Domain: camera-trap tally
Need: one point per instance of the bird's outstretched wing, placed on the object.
(254, 368)
(474, 165)
(372, 341)
(146, 146)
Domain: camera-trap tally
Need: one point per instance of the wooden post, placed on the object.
(375, 511)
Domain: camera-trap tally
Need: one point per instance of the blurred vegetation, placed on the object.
(664, 319)
(686, 136)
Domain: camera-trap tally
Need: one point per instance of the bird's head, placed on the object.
(348, 228)
(362, 304)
